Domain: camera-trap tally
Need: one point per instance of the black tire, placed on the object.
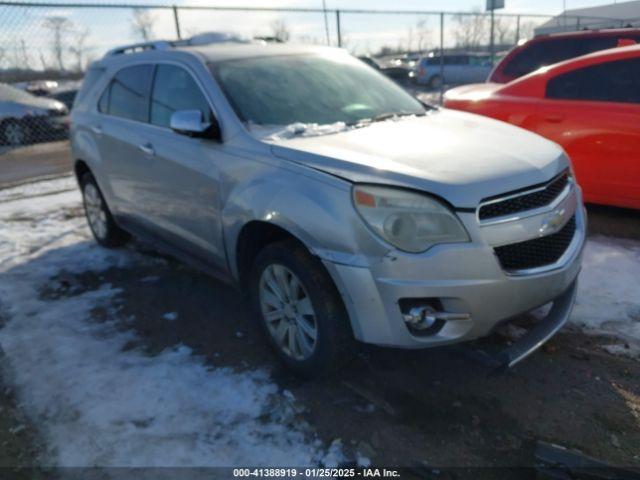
(113, 236)
(335, 344)
(435, 82)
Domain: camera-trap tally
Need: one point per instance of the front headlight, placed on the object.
(409, 221)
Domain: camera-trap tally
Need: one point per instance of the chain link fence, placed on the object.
(46, 47)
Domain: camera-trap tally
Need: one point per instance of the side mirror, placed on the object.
(189, 122)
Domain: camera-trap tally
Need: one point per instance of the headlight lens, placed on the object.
(409, 221)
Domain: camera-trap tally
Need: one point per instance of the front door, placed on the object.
(182, 183)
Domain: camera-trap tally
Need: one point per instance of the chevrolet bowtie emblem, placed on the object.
(552, 222)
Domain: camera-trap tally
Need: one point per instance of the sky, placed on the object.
(25, 39)
(512, 6)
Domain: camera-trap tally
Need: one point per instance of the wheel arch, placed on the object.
(80, 168)
(254, 236)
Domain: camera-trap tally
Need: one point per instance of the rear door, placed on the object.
(479, 69)
(456, 68)
(594, 113)
(122, 113)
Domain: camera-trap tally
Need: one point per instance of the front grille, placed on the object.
(526, 201)
(538, 252)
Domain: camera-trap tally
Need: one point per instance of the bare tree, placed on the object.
(503, 30)
(43, 62)
(527, 29)
(470, 30)
(60, 27)
(79, 47)
(25, 59)
(409, 45)
(280, 30)
(423, 35)
(142, 23)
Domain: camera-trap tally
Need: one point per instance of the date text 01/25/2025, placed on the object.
(316, 472)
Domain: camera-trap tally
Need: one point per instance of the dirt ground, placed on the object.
(420, 409)
(18, 165)
(404, 408)
(19, 443)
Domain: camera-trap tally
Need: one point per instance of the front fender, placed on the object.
(314, 209)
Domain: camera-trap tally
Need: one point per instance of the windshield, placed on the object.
(310, 89)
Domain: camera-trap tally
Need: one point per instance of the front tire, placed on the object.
(300, 310)
(99, 218)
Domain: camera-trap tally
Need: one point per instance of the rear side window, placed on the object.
(542, 53)
(127, 95)
(609, 82)
(548, 52)
(175, 89)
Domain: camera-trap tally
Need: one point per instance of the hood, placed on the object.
(43, 103)
(460, 157)
(16, 97)
(475, 91)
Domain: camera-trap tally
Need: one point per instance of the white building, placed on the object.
(614, 15)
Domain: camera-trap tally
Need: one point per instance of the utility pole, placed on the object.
(492, 6)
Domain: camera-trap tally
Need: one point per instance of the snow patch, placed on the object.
(608, 299)
(100, 404)
(296, 130)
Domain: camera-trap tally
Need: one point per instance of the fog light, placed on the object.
(426, 319)
(420, 318)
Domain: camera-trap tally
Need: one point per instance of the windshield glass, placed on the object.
(310, 89)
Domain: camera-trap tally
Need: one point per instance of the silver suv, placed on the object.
(343, 207)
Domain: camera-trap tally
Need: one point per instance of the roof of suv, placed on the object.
(226, 51)
(214, 52)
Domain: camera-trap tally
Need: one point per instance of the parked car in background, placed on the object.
(396, 71)
(25, 118)
(590, 105)
(37, 87)
(544, 50)
(458, 68)
(369, 61)
(246, 160)
(65, 92)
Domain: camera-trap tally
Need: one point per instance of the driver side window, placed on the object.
(175, 89)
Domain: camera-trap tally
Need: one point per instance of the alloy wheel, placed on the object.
(96, 213)
(14, 134)
(287, 310)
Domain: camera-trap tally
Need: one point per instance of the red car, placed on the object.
(590, 105)
(528, 56)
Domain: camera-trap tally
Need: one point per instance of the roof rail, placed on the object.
(139, 47)
(205, 38)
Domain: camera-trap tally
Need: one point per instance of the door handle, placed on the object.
(147, 149)
(97, 129)
(554, 118)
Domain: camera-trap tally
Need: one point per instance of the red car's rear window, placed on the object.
(548, 51)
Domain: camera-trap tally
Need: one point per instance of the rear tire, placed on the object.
(435, 82)
(99, 218)
(294, 297)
